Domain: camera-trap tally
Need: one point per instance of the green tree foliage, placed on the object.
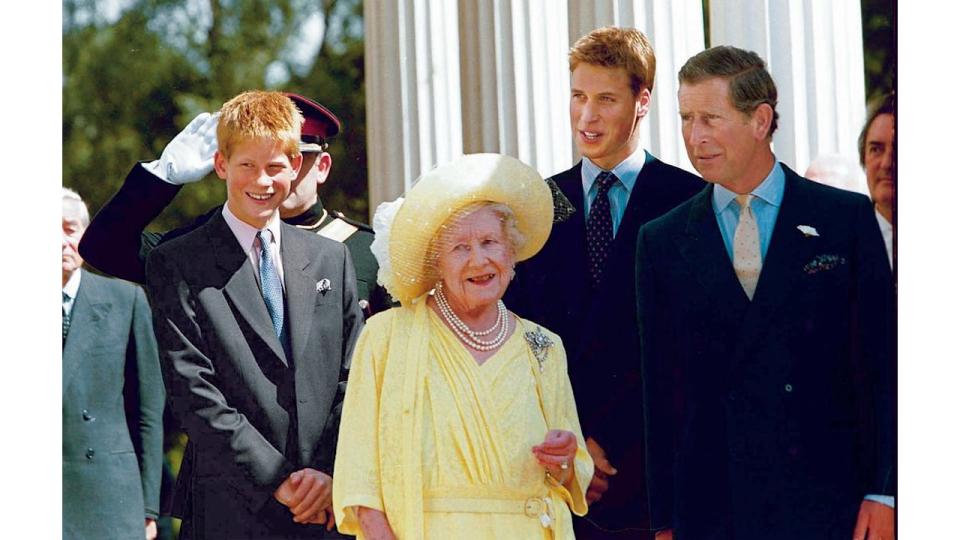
(134, 78)
(879, 47)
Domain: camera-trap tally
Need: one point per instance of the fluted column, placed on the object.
(515, 80)
(412, 91)
(675, 28)
(814, 51)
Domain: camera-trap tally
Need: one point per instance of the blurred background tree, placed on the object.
(135, 72)
(879, 46)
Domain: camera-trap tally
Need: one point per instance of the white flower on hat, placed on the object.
(382, 225)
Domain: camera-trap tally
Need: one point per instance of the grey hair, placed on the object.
(750, 84)
(72, 198)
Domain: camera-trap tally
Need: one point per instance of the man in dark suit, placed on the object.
(877, 159)
(581, 284)
(256, 321)
(112, 400)
(117, 244)
(766, 333)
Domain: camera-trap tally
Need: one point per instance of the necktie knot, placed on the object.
(264, 236)
(744, 200)
(605, 181)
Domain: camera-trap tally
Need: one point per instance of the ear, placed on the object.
(643, 103)
(220, 164)
(762, 118)
(296, 163)
(323, 164)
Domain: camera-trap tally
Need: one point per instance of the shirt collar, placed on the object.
(769, 191)
(627, 170)
(245, 233)
(884, 224)
(73, 285)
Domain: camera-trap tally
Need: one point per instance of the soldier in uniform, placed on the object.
(117, 244)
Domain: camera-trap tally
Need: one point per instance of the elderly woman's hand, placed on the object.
(556, 453)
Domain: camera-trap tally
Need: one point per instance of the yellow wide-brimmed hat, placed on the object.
(440, 193)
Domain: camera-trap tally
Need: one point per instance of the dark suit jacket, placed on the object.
(598, 327)
(252, 412)
(112, 404)
(771, 418)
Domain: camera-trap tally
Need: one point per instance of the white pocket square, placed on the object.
(807, 230)
(323, 286)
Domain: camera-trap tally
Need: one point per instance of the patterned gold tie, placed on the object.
(746, 247)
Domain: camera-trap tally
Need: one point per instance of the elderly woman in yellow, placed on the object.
(459, 420)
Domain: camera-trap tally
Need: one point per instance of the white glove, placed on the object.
(189, 156)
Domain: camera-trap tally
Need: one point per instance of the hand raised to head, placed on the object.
(189, 156)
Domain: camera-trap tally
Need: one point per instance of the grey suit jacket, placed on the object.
(112, 406)
(253, 411)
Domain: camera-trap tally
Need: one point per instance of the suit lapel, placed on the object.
(572, 254)
(242, 287)
(703, 249)
(90, 309)
(301, 292)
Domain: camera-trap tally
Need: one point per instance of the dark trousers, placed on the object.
(585, 529)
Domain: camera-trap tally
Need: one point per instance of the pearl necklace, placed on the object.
(471, 337)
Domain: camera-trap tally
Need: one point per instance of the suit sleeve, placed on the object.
(115, 241)
(657, 393)
(191, 382)
(352, 324)
(143, 386)
(875, 350)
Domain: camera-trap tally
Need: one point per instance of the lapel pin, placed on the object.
(323, 286)
(807, 230)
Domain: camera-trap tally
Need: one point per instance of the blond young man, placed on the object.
(581, 285)
(256, 321)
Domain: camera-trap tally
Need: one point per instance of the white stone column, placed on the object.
(412, 91)
(514, 80)
(675, 28)
(814, 51)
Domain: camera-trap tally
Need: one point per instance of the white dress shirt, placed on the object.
(247, 237)
(886, 229)
(70, 289)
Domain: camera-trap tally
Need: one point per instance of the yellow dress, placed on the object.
(443, 445)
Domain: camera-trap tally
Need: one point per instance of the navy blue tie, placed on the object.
(270, 283)
(600, 227)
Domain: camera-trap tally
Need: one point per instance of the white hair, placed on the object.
(74, 206)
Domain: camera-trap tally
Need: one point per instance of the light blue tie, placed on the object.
(270, 283)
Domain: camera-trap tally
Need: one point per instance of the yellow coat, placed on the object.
(443, 445)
